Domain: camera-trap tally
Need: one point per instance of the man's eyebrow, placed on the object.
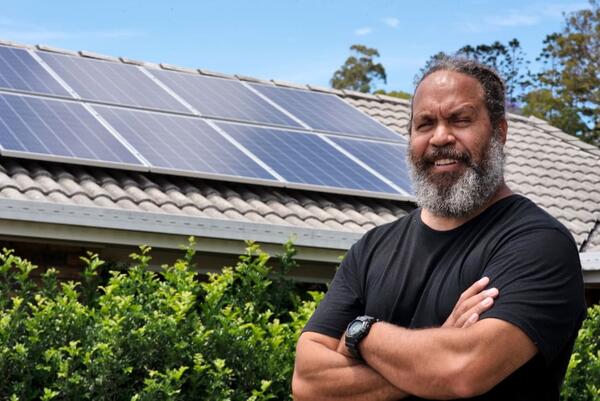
(423, 115)
(469, 108)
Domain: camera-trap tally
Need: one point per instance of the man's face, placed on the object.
(456, 157)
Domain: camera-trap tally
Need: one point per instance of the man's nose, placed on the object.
(442, 136)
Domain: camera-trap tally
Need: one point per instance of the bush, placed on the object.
(582, 382)
(147, 335)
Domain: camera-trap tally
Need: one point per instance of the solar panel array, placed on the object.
(82, 110)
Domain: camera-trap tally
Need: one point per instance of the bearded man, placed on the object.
(402, 317)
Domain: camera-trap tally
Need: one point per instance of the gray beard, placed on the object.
(470, 190)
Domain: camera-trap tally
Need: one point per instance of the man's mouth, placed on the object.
(445, 162)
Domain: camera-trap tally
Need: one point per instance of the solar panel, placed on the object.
(326, 112)
(59, 129)
(304, 158)
(387, 159)
(223, 98)
(184, 144)
(20, 71)
(110, 82)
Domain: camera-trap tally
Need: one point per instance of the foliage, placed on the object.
(508, 60)
(146, 335)
(571, 74)
(582, 382)
(154, 336)
(358, 72)
(398, 94)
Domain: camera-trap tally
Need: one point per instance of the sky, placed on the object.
(302, 41)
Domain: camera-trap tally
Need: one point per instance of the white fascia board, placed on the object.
(590, 261)
(170, 224)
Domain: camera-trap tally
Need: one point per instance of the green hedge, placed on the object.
(143, 335)
(582, 382)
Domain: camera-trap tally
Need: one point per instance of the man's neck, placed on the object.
(440, 223)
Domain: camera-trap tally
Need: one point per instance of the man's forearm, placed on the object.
(330, 376)
(446, 362)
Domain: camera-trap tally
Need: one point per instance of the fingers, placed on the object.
(471, 304)
(475, 306)
(474, 289)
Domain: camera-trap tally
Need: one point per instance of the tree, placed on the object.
(358, 72)
(509, 60)
(399, 94)
(571, 76)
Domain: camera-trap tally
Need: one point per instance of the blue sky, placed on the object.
(300, 41)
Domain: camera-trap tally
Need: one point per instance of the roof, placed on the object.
(556, 170)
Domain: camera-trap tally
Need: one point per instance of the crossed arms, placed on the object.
(463, 358)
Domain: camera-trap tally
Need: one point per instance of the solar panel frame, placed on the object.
(108, 82)
(386, 158)
(14, 62)
(306, 111)
(69, 127)
(206, 96)
(188, 150)
(293, 126)
(330, 159)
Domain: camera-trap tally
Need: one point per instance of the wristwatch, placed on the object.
(357, 330)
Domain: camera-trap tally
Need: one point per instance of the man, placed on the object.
(399, 283)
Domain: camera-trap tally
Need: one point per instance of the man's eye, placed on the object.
(424, 125)
(463, 121)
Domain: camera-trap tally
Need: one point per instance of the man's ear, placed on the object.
(503, 130)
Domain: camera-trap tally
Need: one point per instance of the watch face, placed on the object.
(355, 327)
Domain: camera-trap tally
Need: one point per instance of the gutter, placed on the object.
(96, 225)
(54, 221)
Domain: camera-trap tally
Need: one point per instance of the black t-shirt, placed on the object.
(410, 275)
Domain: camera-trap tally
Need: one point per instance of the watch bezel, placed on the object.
(354, 338)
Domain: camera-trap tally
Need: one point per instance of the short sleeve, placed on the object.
(342, 303)
(538, 275)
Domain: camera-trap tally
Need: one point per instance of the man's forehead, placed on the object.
(447, 84)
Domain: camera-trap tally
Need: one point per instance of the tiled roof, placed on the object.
(557, 171)
(91, 186)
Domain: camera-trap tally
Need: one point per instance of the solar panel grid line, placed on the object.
(364, 165)
(388, 159)
(53, 74)
(306, 161)
(382, 125)
(169, 90)
(326, 113)
(19, 73)
(278, 107)
(184, 145)
(28, 128)
(223, 99)
(58, 130)
(243, 149)
(76, 135)
(108, 82)
(116, 134)
(150, 134)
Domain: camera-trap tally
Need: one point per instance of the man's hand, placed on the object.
(471, 304)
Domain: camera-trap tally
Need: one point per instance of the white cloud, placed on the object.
(391, 22)
(557, 9)
(529, 15)
(363, 31)
(513, 19)
(28, 33)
